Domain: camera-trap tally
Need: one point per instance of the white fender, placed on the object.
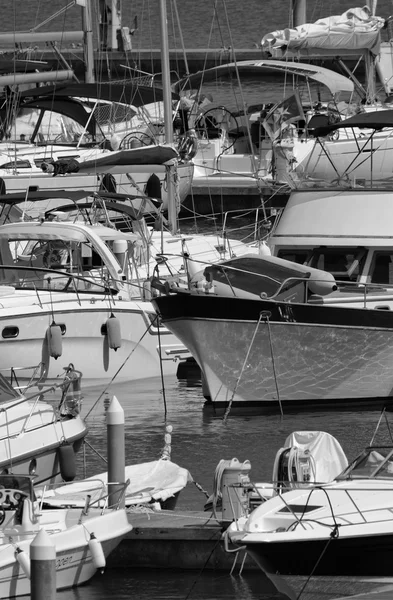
(24, 561)
(97, 553)
(55, 342)
(113, 332)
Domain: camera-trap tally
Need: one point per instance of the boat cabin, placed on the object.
(65, 256)
(346, 233)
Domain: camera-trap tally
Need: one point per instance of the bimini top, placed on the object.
(136, 95)
(333, 81)
(377, 119)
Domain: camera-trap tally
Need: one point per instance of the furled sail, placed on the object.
(355, 29)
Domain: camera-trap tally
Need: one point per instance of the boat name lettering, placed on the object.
(63, 561)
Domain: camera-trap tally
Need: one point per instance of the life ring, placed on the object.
(187, 147)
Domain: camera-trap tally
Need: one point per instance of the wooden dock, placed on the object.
(174, 540)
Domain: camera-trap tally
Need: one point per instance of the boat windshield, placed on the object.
(345, 264)
(7, 392)
(25, 264)
(24, 483)
(375, 462)
(34, 125)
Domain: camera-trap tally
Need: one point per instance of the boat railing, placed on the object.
(263, 221)
(36, 397)
(96, 494)
(37, 376)
(56, 280)
(260, 493)
(361, 292)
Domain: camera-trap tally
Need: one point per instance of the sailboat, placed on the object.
(318, 151)
(59, 123)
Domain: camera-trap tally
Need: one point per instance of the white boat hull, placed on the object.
(74, 562)
(292, 356)
(20, 181)
(84, 342)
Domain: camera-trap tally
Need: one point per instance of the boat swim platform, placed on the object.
(167, 539)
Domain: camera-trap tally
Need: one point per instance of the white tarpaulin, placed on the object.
(328, 457)
(355, 29)
(151, 481)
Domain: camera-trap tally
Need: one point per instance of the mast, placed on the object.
(167, 98)
(369, 60)
(116, 22)
(88, 49)
(298, 12)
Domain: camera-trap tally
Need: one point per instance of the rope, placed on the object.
(203, 568)
(331, 537)
(161, 367)
(121, 366)
(266, 315)
(334, 534)
(228, 410)
(200, 488)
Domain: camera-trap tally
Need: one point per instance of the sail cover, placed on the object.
(333, 81)
(355, 29)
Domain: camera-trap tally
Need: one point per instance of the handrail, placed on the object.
(36, 397)
(103, 497)
(63, 273)
(347, 491)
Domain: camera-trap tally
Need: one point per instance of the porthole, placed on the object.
(12, 331)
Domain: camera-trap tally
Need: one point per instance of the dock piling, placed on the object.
(116, 453)
(43, 567)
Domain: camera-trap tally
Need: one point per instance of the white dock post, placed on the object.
(116, 453)
(43, 567)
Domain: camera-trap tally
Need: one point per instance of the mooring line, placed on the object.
(228, 410)
(121, 366)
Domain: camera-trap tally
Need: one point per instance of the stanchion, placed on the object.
(43, 567)
(116, 453)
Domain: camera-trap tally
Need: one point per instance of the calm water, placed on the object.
(199, 441)
(238, 24)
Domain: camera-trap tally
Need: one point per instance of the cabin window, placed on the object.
(298, 256)
(382, 268)
(16, 164)
(345, 264)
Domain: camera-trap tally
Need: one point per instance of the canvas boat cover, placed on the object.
(149, 482)
(355, 29)
(328, 457)
(378, 119)
(333, 81)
